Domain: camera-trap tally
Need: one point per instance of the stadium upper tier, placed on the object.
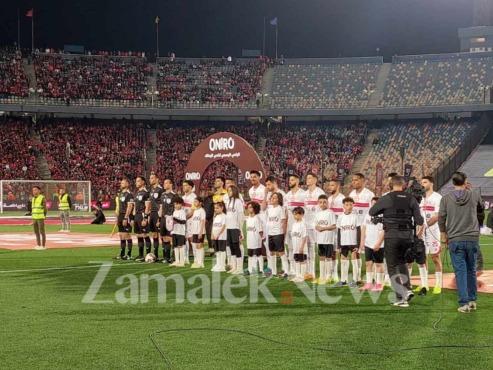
(309, 84)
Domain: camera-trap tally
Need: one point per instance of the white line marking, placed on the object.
(67, 268)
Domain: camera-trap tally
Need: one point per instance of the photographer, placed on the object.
(399, 208)
(98, 214)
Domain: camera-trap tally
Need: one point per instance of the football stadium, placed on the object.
(303, 201)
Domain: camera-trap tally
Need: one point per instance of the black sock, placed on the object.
(122, 247)
(167, 251)
(140, 243)
(129, 245)
(156, 243)
(148, 244)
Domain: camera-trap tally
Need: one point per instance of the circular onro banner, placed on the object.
(223, 146)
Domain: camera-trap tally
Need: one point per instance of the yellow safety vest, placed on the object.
(38, 211)
(64, 205)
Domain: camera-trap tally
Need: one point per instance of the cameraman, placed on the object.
(399, 208)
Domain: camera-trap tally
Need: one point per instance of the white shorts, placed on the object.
(311, 239)
(432, 242)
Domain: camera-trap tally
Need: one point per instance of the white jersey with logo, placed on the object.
(325, 218)
(219, 221)
(430, 206)
(292, 201)
(196, 220)
(311, 206)
(188, 206)
(298, 233)
(336, 205)
(372, 232)
(179, 229)
(254, 226)
(347, 227)
(275, 215)
(234, 214)
(362, 203)
(257, 194)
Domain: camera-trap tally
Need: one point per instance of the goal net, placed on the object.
(14, 194)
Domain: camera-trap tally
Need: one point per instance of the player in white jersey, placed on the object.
(349, 235)
(430, 206)
(295, 198)
(235, 214)
(336, 206)
(362, 199)
(188, 197)
(325, 221)
(197, 230)
(299, 240)
(257, 194)
(178, 233)
(372, 245)
(271, 187)
(311, 208)
(255, 236)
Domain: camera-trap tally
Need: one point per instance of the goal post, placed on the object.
(14, 194)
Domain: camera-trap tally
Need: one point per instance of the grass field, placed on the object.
(46, 325)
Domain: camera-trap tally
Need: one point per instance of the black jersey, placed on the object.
(155, 196)
(141, 198)
(168, 201)
(125, 198)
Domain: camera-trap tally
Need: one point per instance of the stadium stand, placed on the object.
(98, 151)
(326, 84)
(13, 79)
(427, 145)
(86, 78)
(209, 83)
(443, 79)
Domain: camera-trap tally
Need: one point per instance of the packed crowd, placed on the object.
(17, 151)
(13, 79)
(210, 81)
(86, 77)
(100, 152)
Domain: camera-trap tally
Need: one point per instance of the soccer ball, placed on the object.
(150, 258)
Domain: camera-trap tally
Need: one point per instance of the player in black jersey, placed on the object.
(141, 217)
(168, 198)
(124, 211)
(155, 197)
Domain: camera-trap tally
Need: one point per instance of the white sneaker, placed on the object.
(61, 231)
(37, 247)
(298, 279)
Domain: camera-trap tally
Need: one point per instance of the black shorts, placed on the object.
(195, 239)
(138, 228)
(255, 252)
(325, 250)
(163, 230)
(121, 228)
(219, 245)
(300, 257)
(233, 236)
(178, 240)
(371, 255)
(276, 243)
(347, 249)
(153, 222)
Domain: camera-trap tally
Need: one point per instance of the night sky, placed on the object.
(214, 28)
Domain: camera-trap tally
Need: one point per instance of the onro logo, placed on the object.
(192, 176)
(221, 144)
(247, 175)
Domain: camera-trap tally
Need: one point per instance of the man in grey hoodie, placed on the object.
(458, 223)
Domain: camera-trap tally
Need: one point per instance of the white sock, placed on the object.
(292, 263)
(297, 268)
(273, 264)
(360, 263)
(181, 252)
(250, 264)
(254, 263)
(335, 268)
(223, 260)
(369, 277)
(242, 251)
(239, 264)
(177, 255)
(438, 275)
(228, 254)
(303, 270)
(232, 262)
(328, 269)
(423, 274)
(311, 260)
(186, 253)
(194, 251)
(380, 278)
(260, 260)
(285, 263)
(354, 263)
(322, 270)
(344, 270)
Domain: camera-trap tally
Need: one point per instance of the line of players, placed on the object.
(289, 225)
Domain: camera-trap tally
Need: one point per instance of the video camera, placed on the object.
(416, 189)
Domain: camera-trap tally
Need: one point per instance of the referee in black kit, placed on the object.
(399, 209)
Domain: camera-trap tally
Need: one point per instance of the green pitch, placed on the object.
(46, 325)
